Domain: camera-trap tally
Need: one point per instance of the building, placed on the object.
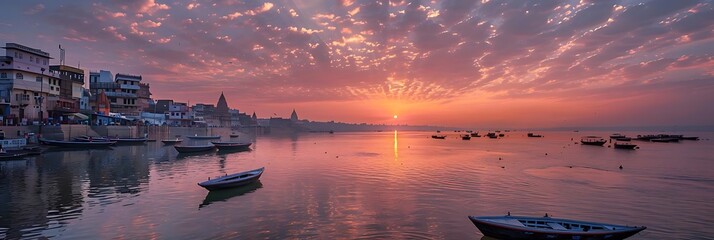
(179, 115)
(84, 101)
(221, 117)
(143, 96)
(121, 90)
(294, 116)
(162, 106)
(201, 112)
(67, 103)
(25, 84)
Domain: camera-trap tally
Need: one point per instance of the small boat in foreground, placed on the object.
(205, 137)
(194, 149)
(520, 227)
(620, 145)
(77, 144)
(231, 145)
(233, 180)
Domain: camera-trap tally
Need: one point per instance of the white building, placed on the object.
(25, 84)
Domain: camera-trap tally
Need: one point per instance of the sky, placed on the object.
(473, 64)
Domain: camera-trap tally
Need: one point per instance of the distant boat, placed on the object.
(77, 144)
(534, 135)
(233, 180)
(664, 140)
(593, 140)
(519, 227)
(231, 145)
(438, 136)
(172, 141)
(85, 138)
(194, 149)
(475, 134)
(492, 135)
(616, 135)
(233, 135)
(466, 137)
(205, 137)
(620, 145)
(331, 132)
(690, 138)
(501, 135)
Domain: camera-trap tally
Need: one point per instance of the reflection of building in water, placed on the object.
(116, 173)
(38, 194)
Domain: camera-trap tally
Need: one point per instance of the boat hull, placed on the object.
(193, 149)
(625, 146)
(171, 142)
(218, 184)
(231, 146)
(514, 233)
(592, 143)
(73, 144)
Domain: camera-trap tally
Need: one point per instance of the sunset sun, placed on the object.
(395, 116)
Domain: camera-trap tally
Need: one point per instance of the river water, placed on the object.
(371, 185)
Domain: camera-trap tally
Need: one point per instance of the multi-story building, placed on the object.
(84, 101)
(179, 115)
(143, 96)
(25, 84)
(121, 91)
(71, 80)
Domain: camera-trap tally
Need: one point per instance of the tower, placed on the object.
(222, 114)
(294, 116)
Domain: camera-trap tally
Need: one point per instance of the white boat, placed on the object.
(521, 227)
(233, 180)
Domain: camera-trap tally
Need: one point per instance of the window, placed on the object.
(37, 60)
(15, 54)
(3, 75)
(38, 79)
(18, 76)
(20, 55)
(45, 61)
(31, 59)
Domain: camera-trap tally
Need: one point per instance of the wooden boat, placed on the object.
(620, 145)
(9, 156)
(466, 137)
(233, 135)
(138, 140)
(534, 135)
(86, 138)
(194, 149)
(593, 140)
(438, 136)
(475, 134)
(77, 144)
(664, 140)
(205, 137)
(492, 135)
(172, 141)
(233, 180)
(231, 145)
(519, 227)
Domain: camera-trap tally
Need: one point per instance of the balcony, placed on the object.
(120, 94)
(103, 85)
(127, 86)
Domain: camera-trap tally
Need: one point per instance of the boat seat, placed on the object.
(556, 226)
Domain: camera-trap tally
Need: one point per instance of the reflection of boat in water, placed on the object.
(224, 195)
(233, 180)
(519, 227)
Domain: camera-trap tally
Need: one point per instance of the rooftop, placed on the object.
(26, 49)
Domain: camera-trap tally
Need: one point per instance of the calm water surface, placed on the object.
(359, 186)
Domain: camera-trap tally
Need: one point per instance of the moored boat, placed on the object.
(620, 145)
(85, 138)
(475, 134)
(664, 140)
(205, 137)
(233, 180)
(233, 135)
(121, 140)
(534, 135)
(689, 138)
(194, 149)
(77, 144)
(172, 141)
(8, 156)
(466, 137)
(438, 136)
(231, 145)
(521, 227)
(593, 140)
(492, 135)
